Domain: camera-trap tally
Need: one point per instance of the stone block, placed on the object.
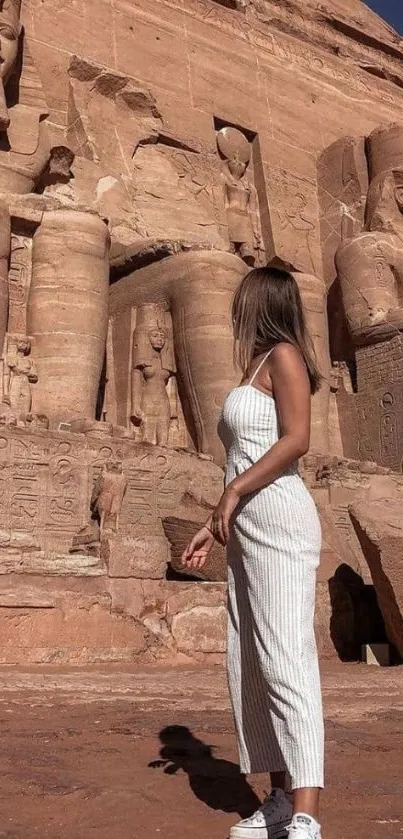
(67, 565)
(376, 654)
(179, 532)
(140, 557)
(380, 531)
(201, 629)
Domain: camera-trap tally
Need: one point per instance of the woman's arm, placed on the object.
(291, 390)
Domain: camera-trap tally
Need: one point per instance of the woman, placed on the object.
(269, 523)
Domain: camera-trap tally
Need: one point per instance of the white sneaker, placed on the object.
(269, 822)
(304, 827)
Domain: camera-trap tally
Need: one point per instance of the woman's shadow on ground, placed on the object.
(216, 782)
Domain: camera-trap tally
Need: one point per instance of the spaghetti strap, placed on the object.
(259, 367)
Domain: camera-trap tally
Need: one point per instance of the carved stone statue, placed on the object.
(24, 139)
(240, 196)
(153, 365)
(107, 496)
(370, 265)
(10, 30)
(19, 373)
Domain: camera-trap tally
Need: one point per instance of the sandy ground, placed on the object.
(84, 754)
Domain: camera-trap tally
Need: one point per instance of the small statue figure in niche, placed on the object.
(240, 196)
(153, 366)
(19, 374)
(107, 497)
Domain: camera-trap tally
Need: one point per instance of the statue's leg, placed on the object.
(202, 292)
(163, 422)
(149, 429)
(67, 313)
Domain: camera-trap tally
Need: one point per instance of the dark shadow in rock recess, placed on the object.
(356, 617)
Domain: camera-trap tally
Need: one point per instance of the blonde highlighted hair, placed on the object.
(266, 309)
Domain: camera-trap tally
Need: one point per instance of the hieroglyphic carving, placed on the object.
(64, 495)
(140, 504)
(25, 496)
(218, 15)
(19, 279)
(285, 50)
(388, 431)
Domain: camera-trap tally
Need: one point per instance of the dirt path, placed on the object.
(76, 749)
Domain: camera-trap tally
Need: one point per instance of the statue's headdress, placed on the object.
(10, 11)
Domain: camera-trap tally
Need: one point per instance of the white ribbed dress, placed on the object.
(273, 554)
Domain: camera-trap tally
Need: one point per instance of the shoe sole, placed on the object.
(278, 831)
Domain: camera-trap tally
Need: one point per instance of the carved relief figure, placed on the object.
(19, 374)
(153, 365)
(107, 496)
(294, 221)
(240, 196)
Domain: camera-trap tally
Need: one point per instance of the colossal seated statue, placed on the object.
(370, 264)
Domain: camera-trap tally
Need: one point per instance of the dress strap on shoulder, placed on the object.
(259, 367)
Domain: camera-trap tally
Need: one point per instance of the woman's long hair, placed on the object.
(267, 308)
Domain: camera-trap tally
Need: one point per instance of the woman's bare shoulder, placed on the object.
(286, 353)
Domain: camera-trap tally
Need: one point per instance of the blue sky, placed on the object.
(390, 10)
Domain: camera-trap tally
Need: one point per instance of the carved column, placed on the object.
(68, 312)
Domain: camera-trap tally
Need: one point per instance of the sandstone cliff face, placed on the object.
(167, 146)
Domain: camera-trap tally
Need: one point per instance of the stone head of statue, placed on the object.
(114, 466)
(385, 201)
(235, 149)
(237, 166)
(399, 190)
(157, 338)
(23, 346)
(10, 30)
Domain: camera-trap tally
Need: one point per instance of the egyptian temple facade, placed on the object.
(151, 151)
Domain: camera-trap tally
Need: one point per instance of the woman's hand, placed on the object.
(222, 514)
(197, 551)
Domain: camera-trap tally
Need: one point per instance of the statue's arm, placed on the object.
(255, 216)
